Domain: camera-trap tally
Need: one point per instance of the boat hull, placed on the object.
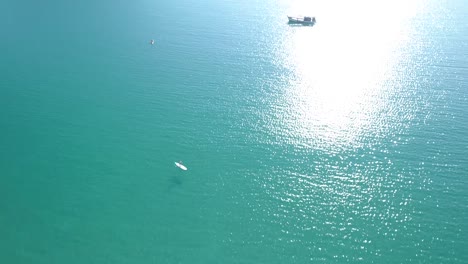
(297, 20)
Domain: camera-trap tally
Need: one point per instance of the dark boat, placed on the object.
(302, 20)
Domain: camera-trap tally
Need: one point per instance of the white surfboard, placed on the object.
(181, 166)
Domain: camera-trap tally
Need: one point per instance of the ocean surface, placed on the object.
(345, 141)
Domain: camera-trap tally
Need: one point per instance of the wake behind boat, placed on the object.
(302, 20)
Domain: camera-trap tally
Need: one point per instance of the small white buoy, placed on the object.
(152, 42)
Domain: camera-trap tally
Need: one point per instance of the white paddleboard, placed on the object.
(181, 166)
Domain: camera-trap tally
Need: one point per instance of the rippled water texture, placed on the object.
(361, 105)
(344, 141)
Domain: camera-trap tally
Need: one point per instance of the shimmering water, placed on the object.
(341, 142)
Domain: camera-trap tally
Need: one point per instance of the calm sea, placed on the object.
(345, 141)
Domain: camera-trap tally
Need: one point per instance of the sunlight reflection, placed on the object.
(339, 68)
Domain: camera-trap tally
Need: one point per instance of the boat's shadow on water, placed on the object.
(292, 24)
(174, 181)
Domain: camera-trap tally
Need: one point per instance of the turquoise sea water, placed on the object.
(341, 142)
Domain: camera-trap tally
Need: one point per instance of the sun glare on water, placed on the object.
(339, 67)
